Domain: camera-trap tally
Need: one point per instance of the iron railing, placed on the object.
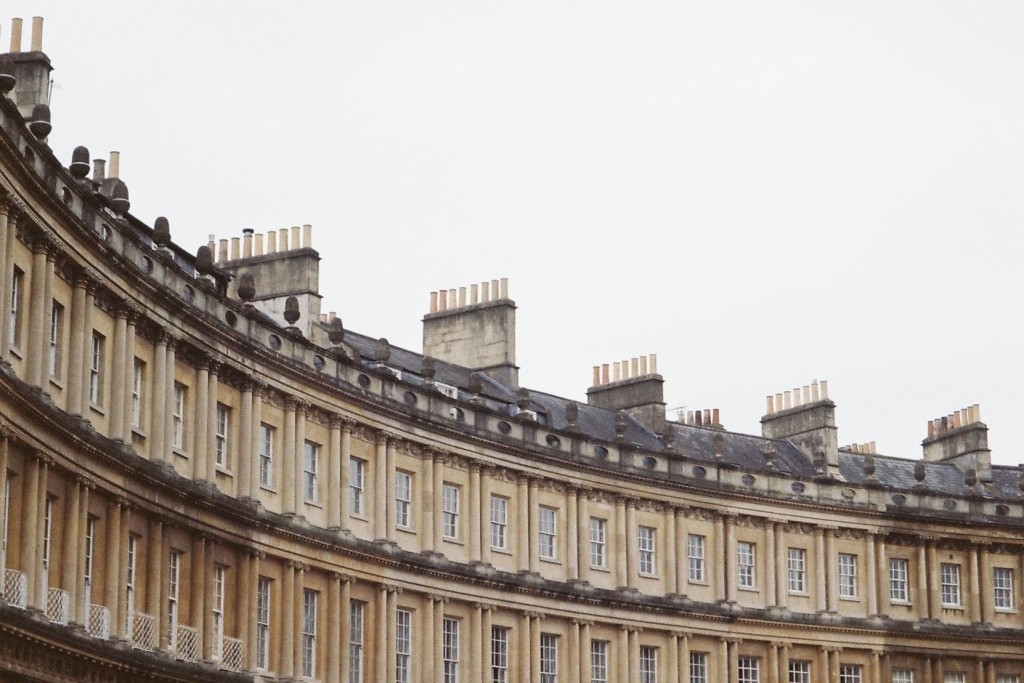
(143, 631)
(58, 605)
(15, 588)
(99, 622)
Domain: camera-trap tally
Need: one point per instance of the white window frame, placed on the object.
(748, 670)
(1002, 589)
(954, 678)
(17, 287)
(746, 563)
(138, 376)
(47, 538)
(96, 369)
(698, 667)
(598, 542)
(851, 673)
(796, 570)
(267, 436)
(178, 415)
(847, 575)
(131, 571)
(547, 532)
(403, 499)
(217, 609)
(799, 671)
(173, 594)
(90, 549)
(949, 573)
(695, 566)
(646, 539)
(548, 658)
(450, 650)
(499, 522)
(499, 654)
(403, 646)
(450, 494)
(648, 664)
(263, 589)
(222, 427)
(356, 486)
(357, 633)
(56, 326)
(310, 598)
(598, 661)
(899, 579)
(902, 676)
(310, 472)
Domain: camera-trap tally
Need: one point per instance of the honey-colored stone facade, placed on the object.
(190, 489)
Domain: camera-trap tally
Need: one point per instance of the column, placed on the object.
(986, 597)
(117, 378)
(427, 659)
(669, 555)
(254, 440)
(129, 376)
(975, 598)
(584, 649)
(485, 514)
(621, 563)
(298, 464)
(476, 647)
(202, 420)
(876, 667)
(335, 475)
(44, 363)
(485, 646)
(288, 458)
(634, 655)
(935, 585)
(41, 571)
(164, 624)
(535, 644)
(832, 569)
(720, 570)
(823, 665)
(246, 593)
(622, 654)
(344, 468)
(572, 536)
(85, 368)
(76, 347)
(426, 498)
(773, 663)
(523, 645)
(437, 465)
(575, 653)
(438, 644)
(928, 670)
(5, 445)
(881, 586)
(632, 559)
(672, 665)
(381, 644)
(475, 524)
(83, 600)
(726, 672)
(523, 524)
(781, 565)
(111, 584)
(254, 577)
(70, 542)
(730, 558)
(380, 484)
(872, 581)
(158, 398)
(34, 345)
(154, 567)
(8, 220)
(682, 553)
(784, 663)
(168, 417)
(771, 564)
(534, 552)
(921, 598)
(684, 658)
(125, 617)
(288, 607)
(245, 431)
(820, 583)
(345, 637)
(211, 424)
(30, 521)
(583, 537)
(297, 614)
(207, 635)
(197, 607)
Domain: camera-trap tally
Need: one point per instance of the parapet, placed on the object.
(474, 327)
(633, 386)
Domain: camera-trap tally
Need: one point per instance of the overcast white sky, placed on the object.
(762, 193)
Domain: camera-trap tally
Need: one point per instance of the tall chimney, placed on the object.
(962, 441)
(810, 426)
(641, 394)
(31, 69)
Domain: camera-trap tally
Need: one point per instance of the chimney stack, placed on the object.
(479, 334)
(807, 418)
(636, 388)
(960, 438)
(31, 69)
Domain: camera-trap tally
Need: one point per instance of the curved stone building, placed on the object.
(205, 478)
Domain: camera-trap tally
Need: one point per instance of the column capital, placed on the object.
(336, 421)
(437, 598)
(290, 403)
